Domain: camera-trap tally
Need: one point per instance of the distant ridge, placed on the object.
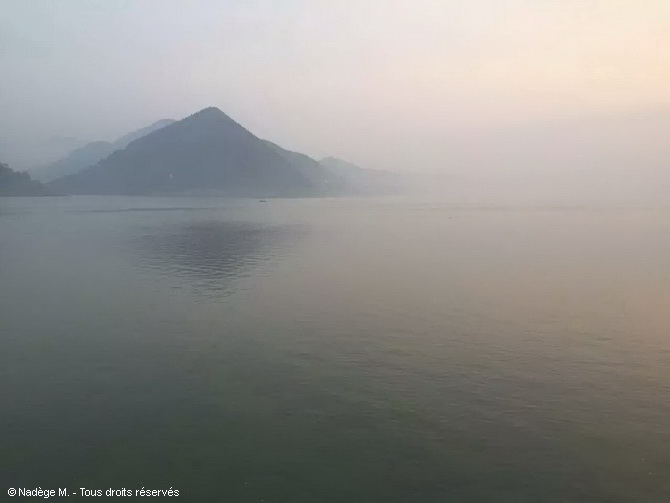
(125, 140)
(363, 181)
(91, 153)
(313, 170)
(204, 153)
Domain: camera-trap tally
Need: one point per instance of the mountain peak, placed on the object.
(210, 115)
(209, 112)
(206, 151)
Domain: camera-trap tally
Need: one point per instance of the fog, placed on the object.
(540, 98)
(335, 251)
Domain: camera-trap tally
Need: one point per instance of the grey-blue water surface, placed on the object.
(335, 350)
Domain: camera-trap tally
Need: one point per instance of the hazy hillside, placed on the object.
(322, 178)
(364, 181)
(15, 183)
(75, 161)
(24, 153)
(205, 153)
(91, 153)
(135, 135)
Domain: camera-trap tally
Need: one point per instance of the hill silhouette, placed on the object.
(91, 153)
(362, 180)
(205, 153)
(16, 183)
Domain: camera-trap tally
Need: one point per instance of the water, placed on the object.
(335, 350)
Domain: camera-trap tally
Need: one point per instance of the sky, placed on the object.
(411, 85)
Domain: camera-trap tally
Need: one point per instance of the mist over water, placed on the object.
(389, 349)
(430, 260)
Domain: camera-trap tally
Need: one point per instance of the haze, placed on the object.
(476, 87)
(335, 251)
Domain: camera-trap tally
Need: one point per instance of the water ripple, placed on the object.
(211, 254)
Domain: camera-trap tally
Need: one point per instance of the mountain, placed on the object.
(361, 180)
(205, 153)
(24, 154)
(124, 141)
(318, 174)
(15, 183)
(75, 161)
(91, 153)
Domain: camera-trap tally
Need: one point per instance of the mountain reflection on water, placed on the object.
(210, 254)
